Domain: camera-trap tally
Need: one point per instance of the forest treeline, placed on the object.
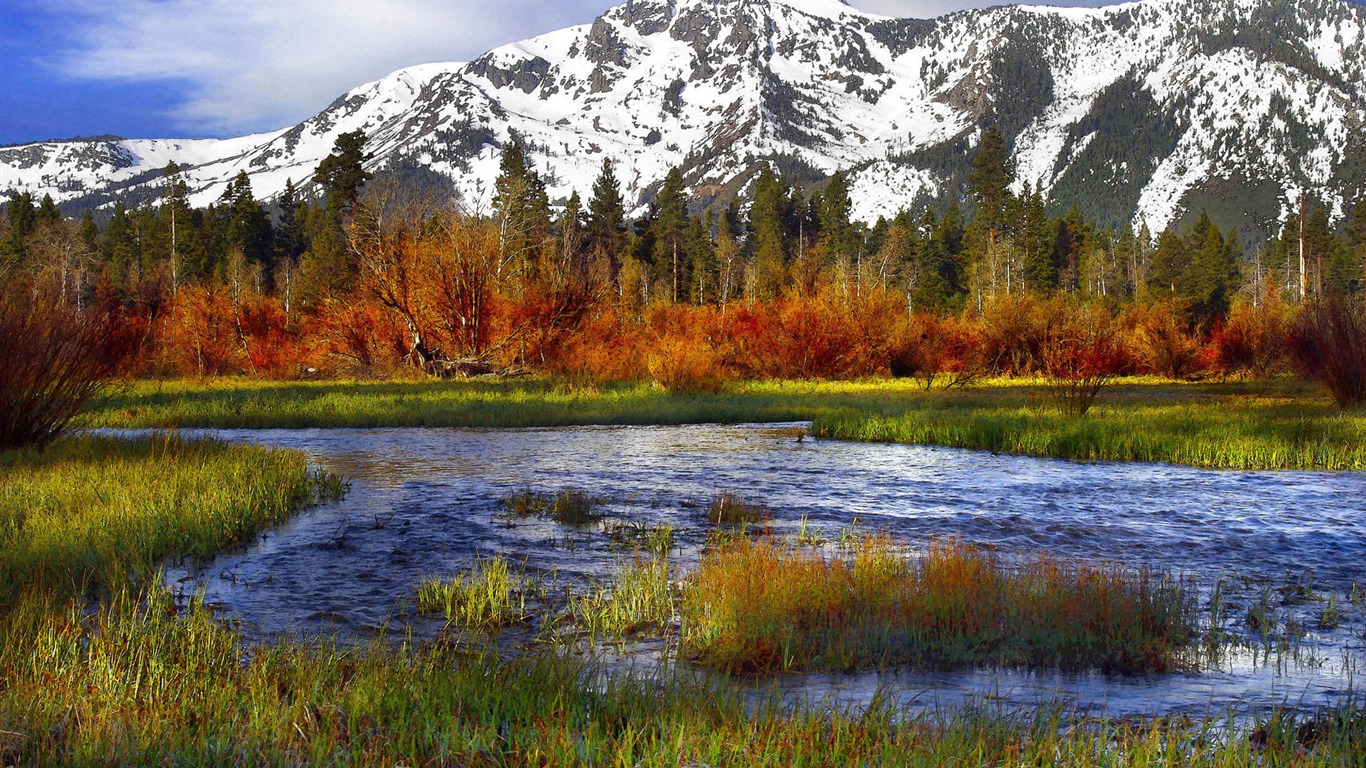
(346, 274)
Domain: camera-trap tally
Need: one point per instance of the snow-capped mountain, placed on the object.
(1141, 111)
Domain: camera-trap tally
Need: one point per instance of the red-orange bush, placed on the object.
(1161, 342)
(52, 360)
(1081, 353)
(1253, 341)
(933, 348)
(1328, 339)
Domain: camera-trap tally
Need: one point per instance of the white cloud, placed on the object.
(253, 65)
(265, 64)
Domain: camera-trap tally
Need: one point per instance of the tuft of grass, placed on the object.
(637, 597)
(734, 510)
(489, 595)
(770, 606)
(569, 506)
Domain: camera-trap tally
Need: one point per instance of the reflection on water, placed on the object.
(423, 502)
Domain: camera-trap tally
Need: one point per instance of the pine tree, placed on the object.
(993, 172)
(521, 209)
(21, 217)
(290, 243)
(838, 239)
(48, 212)
(1211, 275)
(247, 229)
(342, 174)
(1168, 263)
(669, 231)
(766, 235)
(1038, 243)
(174, 206)
(1074, 239)
(606, 226)
(571, 234)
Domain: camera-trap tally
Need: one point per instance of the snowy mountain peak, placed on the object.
(1137, 112)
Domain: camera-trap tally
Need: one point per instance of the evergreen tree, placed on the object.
(290, 242)
(342, 173)
(1074, 239)
(606, 226)
(571, 235)
(247, 228)
(174, 207)
(838, 239)
(48, 212)
(701, 262)
(521, 208)
(1211, 275)
(21, 217)
(1169, 262)
(1038, 244)
(121, 252)
(669, 231)
(766, 239)
(992, 173)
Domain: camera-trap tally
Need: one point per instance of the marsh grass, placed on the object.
(656, 540)
(1220, 432)
(637, 597)
(93, 515)
(732, 509)
(568, 506)
(137, 683)
(487, 596)
(767, 606)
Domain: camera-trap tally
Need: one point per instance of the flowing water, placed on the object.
(426, 502)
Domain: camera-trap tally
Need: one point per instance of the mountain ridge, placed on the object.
(1137, 112)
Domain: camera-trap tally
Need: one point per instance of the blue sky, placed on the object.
(215, 68)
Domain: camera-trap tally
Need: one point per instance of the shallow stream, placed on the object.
(425, 502)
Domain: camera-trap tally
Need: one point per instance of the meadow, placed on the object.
(1282, 424)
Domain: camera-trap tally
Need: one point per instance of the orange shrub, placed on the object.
(1159, 338)
(1253, 341)
(930, 346)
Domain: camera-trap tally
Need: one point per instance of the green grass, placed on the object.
(91, 515)
(1221, 432)
(137, 685)
(1283, 424)
(135, 679)
(489, 595)
(638, 597)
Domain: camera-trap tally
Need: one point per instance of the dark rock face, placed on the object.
(525, 75)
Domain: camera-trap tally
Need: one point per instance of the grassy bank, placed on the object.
(1283, 425)
(1220, 431)
(139, 680)
(93, 516)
